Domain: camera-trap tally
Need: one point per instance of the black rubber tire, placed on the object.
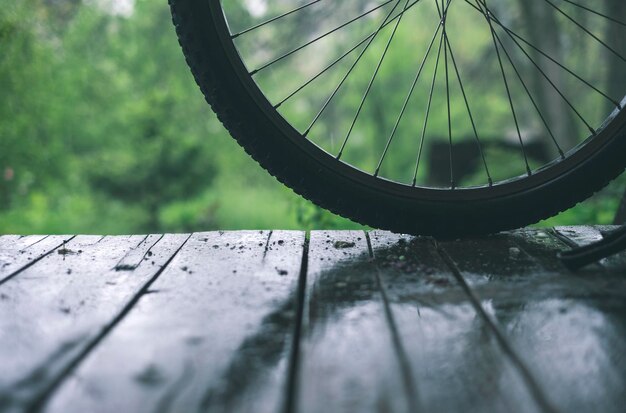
(328, 187)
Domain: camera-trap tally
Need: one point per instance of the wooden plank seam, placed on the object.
(528, 377)
(39, 402)
(410, 386)
(35, 260)
(291, 388)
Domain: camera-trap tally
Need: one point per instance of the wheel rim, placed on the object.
(392, 13)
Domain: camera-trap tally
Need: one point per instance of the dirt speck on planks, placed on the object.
(150, 376)
(514, 253)
(125, 267)
(66, 251)
(438, 281)
(194, 340)
(401, 257)
(343, 244)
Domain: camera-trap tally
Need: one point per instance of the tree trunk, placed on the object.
(541, 29)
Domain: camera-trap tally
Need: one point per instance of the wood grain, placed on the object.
(55, 310)
(346, 321)
(214, 334)
(17, 253)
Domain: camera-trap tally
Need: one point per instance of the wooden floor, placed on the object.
(274, 321)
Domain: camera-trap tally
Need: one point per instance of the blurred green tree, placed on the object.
(102, 128)
(160, 153)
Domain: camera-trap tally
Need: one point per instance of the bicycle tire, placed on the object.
(311, 173)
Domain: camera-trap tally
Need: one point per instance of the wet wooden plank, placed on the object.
(541, 245)
(55, 310)
(136, 256)
(215, 333)
(456, 362)
(580, 235)
(585, 235)
(6, 240)
(391, 331)
(567, 329)
(17, 253)
(348, 362)
(18, 242)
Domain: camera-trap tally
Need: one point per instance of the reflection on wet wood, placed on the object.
(449, 346)
(346, 335)
(567, 329)
(344, 321)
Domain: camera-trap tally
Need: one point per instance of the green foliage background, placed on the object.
(103, 130)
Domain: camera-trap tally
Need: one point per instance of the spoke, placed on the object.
(539, 69)
(343, 80)
(487, 15)
(234, 36)
(544, 54)
(595, 12)
(583, 28)
(430, 100)
(469, 111)
(408, 98)
(340, 58)
(371, 83)
(530, 96)
(445, 57)
(341, 26)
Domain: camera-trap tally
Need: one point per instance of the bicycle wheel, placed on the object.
(434, 117)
